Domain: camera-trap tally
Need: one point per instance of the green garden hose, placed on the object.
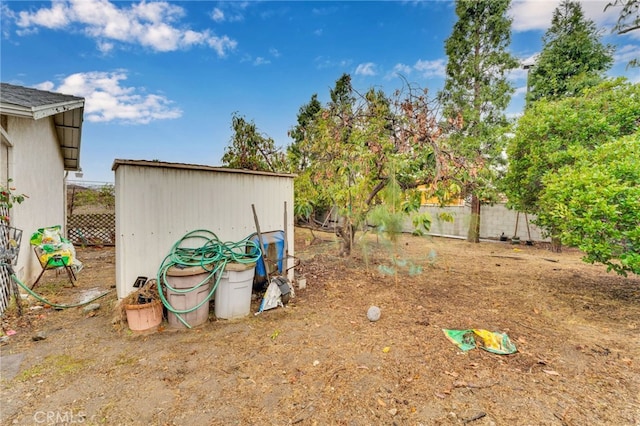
(55, 305)
(203, 248)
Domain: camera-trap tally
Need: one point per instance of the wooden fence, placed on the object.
(92, 229)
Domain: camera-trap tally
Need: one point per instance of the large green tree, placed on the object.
(343, 168)
(551, 131)
(573, 56)
(357, 145)
(302, 133)
(249, 149)
(309, 198)
(594, 204)
(475, 95)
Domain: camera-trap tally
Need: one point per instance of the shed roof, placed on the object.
(161, 164)
(67, 112)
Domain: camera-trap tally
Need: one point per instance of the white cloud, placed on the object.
(261, 61)
(324, 62)
(536, 14)
(221, 44)
(368, 69)
(532, 14)
(217, 15)
(105, 47)
(426, 69)
(626, 53)
(45, 85)
(399, 70)
(520, 91)
(435, 68)
(229, 11)
(149, 24)
(56, 17)
(106, 99)
(402, 69)
(274, 52)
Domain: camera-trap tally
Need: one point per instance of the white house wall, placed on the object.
(36, 166)
(157, 206)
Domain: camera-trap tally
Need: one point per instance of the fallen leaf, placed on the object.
(551, 372)
(451, 373)
(381, 402)
(386, 349)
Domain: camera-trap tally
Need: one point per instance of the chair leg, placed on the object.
(44, 268)
(71, 275)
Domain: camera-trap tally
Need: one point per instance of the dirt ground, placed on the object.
(320, 361)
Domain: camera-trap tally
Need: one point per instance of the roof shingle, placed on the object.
(32, 98)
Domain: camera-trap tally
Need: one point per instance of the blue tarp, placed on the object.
(273, 242)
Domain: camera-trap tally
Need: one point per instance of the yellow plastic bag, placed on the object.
(65, 258)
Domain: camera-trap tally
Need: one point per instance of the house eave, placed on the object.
(67, 118)
(41, 111)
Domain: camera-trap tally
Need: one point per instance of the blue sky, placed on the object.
(162, 79)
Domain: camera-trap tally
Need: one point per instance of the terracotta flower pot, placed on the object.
(145, 316)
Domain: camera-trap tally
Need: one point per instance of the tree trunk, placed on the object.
(473, 235)
(556, 245)
(345, 232)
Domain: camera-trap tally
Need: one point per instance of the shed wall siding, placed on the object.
(156, 207)
(37, 170)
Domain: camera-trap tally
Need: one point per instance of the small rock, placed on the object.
(316, 363)
(91, 307)
(373, 313)
(393, 411)
(40, 335)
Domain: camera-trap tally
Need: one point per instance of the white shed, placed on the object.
(157, 203)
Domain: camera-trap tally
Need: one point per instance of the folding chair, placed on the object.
(54, 261)
(53, 252)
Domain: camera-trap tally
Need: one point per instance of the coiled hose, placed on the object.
(202, 248)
